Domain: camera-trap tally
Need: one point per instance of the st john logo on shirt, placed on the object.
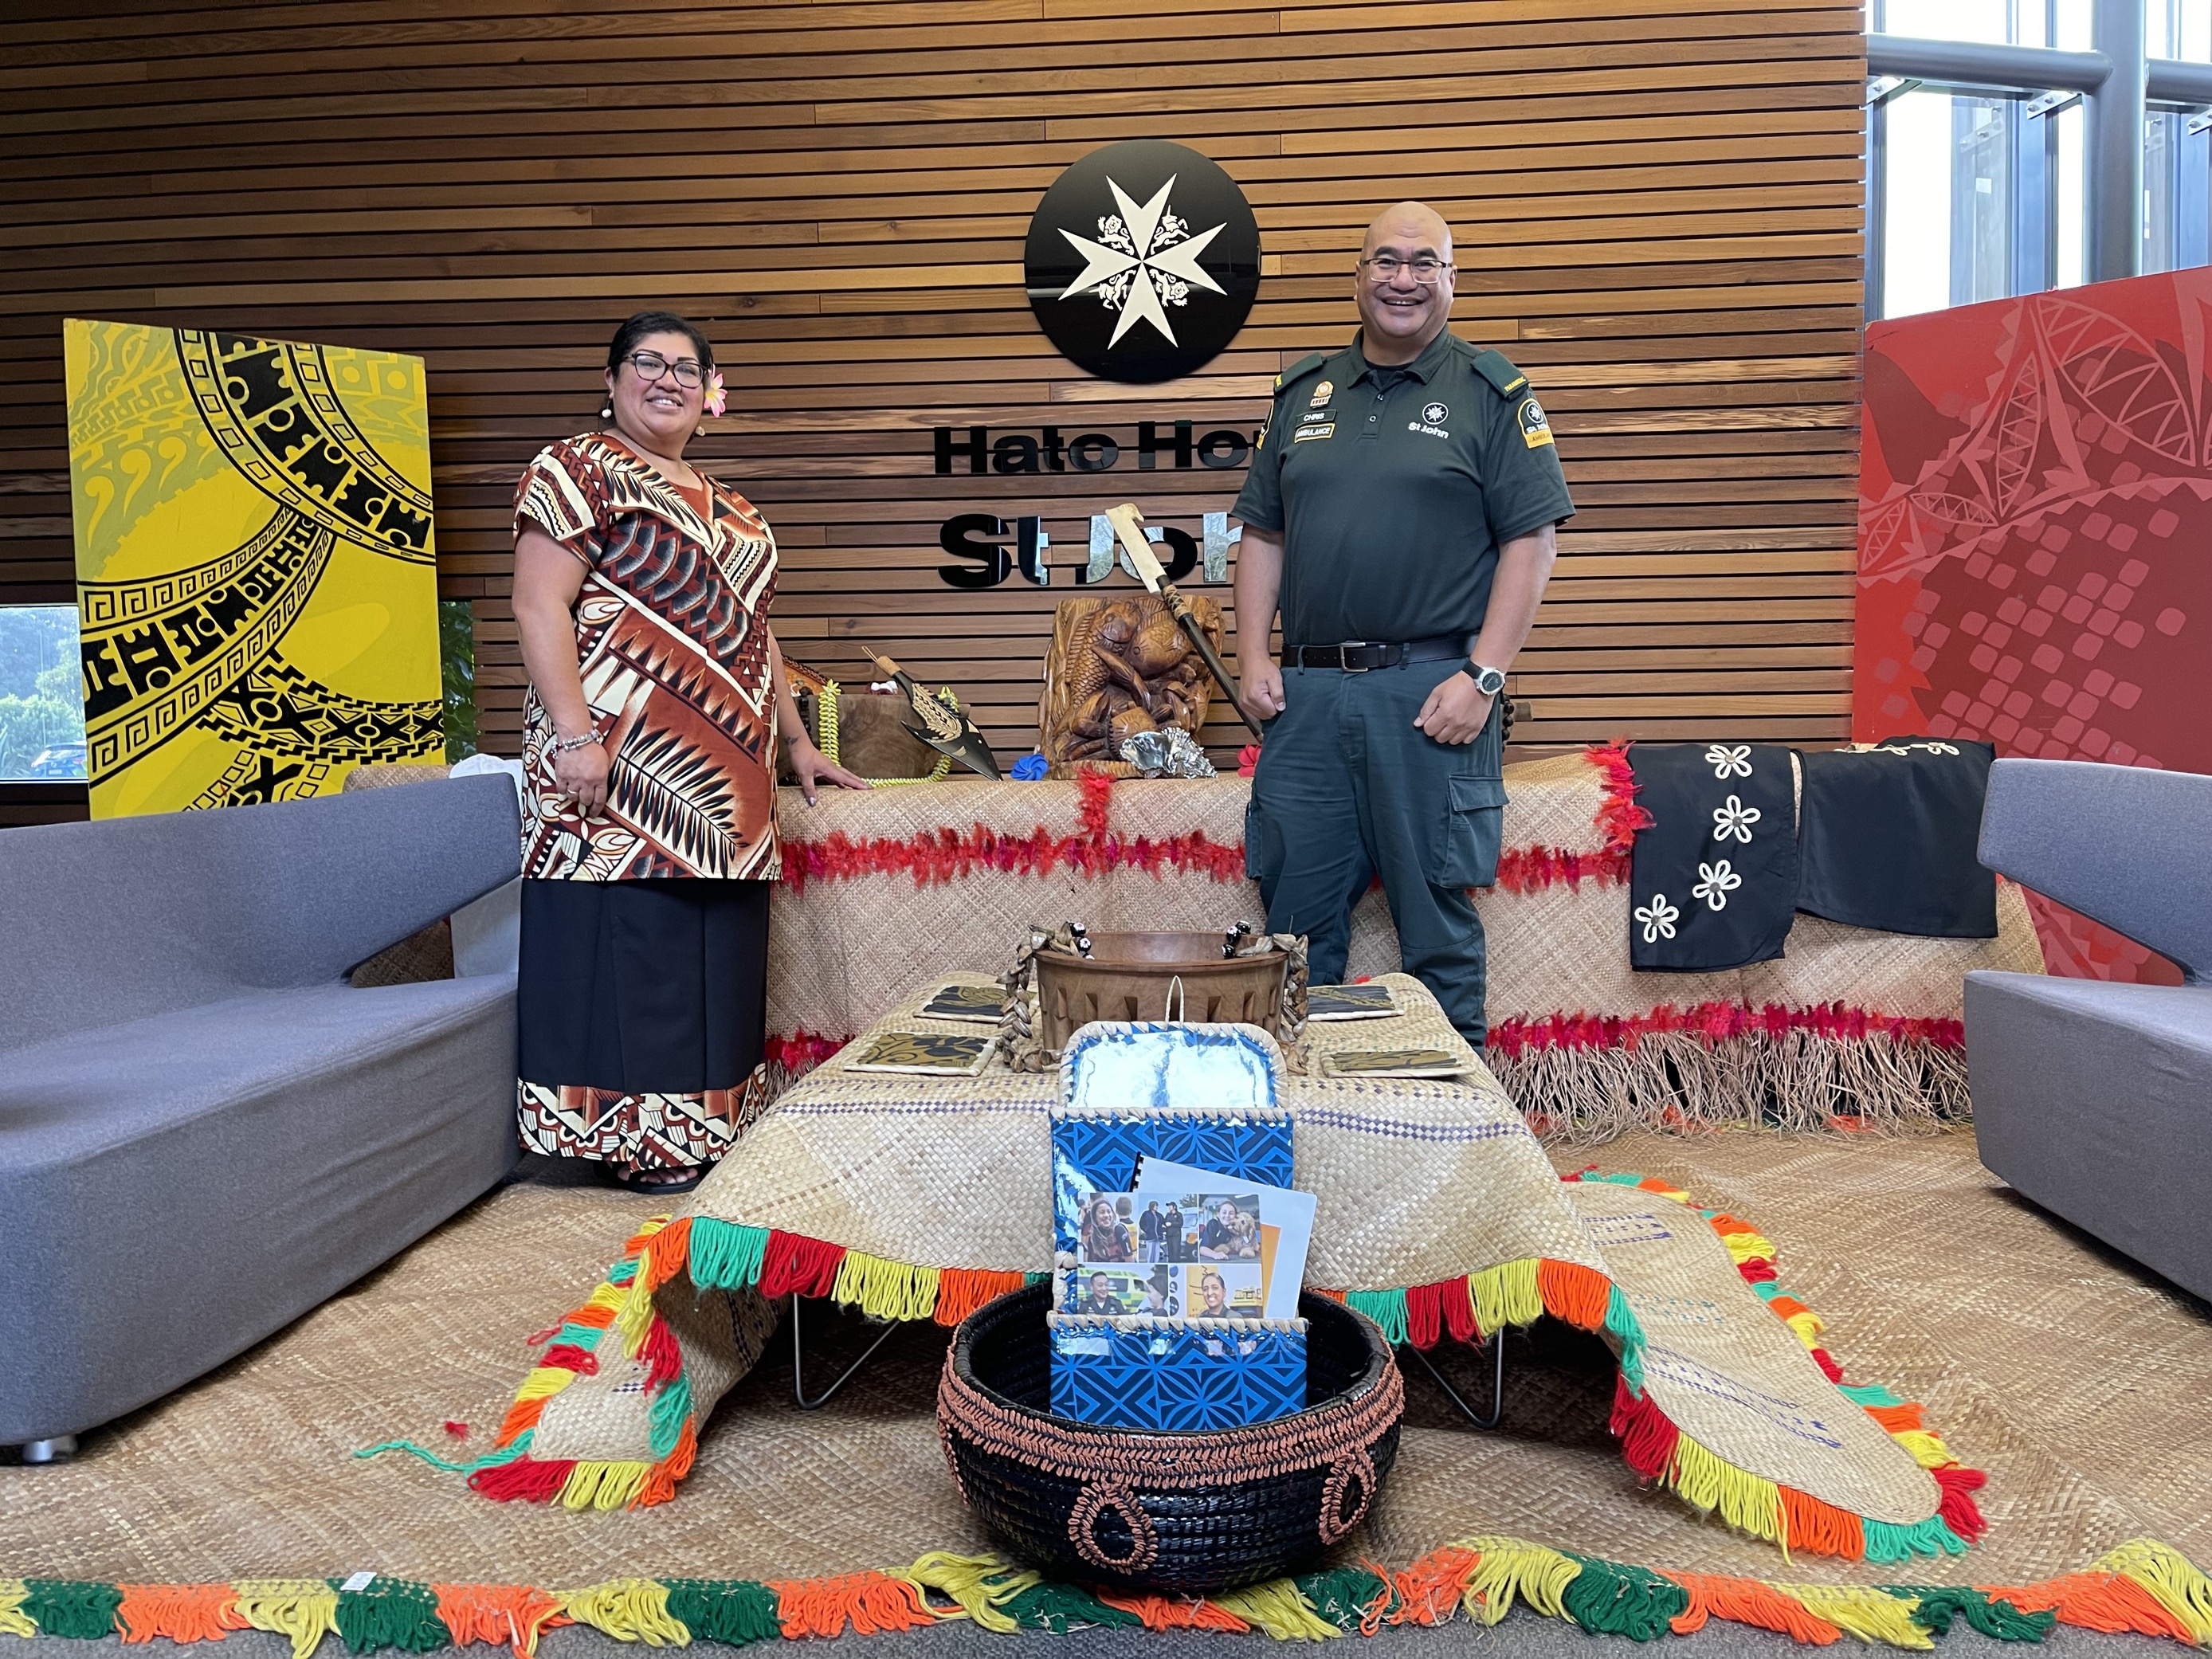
(1143, 261)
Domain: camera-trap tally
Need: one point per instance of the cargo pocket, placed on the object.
(1471, 829)
(1255, 826)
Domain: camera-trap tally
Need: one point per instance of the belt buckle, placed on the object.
(1344, 657)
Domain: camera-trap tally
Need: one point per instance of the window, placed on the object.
(1980, 194)
(41, 696)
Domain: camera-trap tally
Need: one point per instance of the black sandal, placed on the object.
(630, 1179)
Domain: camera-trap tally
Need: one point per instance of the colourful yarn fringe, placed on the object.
(730, 1255)
(1658, 1451)
(654, 1254)
(2143, 1588)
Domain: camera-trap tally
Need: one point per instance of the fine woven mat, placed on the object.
(885, 888)
(2064, 1370)
(1436, 1210)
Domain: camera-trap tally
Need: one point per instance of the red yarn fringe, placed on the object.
(1719, 1022)
(791, 1266)
(1960, 1511)
(525, 1480)
(1646, 1434)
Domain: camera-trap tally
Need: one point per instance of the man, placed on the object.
(1171, 1232)
(1149, 1229)
(1399, 513)
(1101, 1299)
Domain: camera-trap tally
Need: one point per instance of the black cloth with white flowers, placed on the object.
(1713, 883)
(1890, 834)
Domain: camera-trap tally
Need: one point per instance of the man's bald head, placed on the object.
(1410, 226)
(1400, 314)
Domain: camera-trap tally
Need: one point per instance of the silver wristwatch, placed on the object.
(1488, 681)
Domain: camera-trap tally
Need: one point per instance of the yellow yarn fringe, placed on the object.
(1743, 1500)
(1277, 1607)
(628, 1609)
(978, 1583)
(1505, 1294)
(1747, 1247)
(1872, 1615)
(885, 1290)
(13, 1621)
(2170, 1579)
(1926, 1446)
(609, 1297)
(602, 1486)
(1807, 1326)
(545, 1380)
(1514, 1567)
(304, 1610)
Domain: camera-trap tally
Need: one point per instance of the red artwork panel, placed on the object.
(2035, 541)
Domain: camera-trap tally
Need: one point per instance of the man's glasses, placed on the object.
(650, 366)
(1384, 268)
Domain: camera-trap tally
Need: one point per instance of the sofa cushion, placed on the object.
(175, 1188)
(2095, 1099)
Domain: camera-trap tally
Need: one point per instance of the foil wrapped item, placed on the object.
(1169, 752)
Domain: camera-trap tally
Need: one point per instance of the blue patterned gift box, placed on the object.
(1190, 1375)
(1198, 1095)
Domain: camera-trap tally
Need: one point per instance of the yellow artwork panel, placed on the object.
(257, 580)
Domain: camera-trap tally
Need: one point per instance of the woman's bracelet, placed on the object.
(569, 745)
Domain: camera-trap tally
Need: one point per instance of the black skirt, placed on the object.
(641, 1007)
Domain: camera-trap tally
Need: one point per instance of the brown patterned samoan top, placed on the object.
(671, 635)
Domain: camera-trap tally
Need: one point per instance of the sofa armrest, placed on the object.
(2127, 846)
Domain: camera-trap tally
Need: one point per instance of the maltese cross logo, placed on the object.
(1144, 259)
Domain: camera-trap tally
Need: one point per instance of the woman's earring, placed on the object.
(700, 430)
(607, 409)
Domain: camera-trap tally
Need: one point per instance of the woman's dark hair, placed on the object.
(646, 324)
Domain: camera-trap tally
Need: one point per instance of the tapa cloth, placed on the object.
(1889, 837)
(672, 644)
(639, 1007)
(1714, 882)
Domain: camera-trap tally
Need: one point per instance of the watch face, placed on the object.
(1489, 681)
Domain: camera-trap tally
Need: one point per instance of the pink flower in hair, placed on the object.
(717, 402)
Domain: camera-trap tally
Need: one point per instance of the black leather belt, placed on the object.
(1358, 656)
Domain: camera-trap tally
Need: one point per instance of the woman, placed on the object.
(642, 591)
(1104, 1237)
(1213, 1296)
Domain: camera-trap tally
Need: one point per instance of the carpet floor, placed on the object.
(2077, 1381)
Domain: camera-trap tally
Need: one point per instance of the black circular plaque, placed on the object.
(1143, 261)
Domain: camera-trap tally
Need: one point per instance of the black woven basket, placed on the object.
(1176, 1512)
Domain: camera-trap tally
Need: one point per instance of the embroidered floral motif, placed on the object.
(1659, 916)
(1907, 748)
(1729, 760)
(1733, 822)
(1720, 880)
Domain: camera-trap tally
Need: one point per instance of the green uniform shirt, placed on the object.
(1393, 499)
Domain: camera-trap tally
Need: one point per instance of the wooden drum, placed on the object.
(1128, 976)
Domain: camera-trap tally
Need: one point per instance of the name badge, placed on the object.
(1306, 432)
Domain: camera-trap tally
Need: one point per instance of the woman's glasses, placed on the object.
(650, 366)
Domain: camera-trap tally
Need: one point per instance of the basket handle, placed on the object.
(1177, 997)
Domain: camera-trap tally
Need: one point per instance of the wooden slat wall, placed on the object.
(1658, 204)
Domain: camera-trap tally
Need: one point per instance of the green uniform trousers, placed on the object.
(1347, 788)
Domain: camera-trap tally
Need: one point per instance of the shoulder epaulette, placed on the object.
(1497, 367)
(1300, 369)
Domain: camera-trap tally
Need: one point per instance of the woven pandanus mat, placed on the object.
(917, 1198)
(1849, 1026)
(2046, 1360)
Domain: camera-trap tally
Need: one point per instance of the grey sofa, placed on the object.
(2095, 1099)
(205, 1131)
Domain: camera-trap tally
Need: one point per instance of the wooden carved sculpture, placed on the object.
(1119, 665)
